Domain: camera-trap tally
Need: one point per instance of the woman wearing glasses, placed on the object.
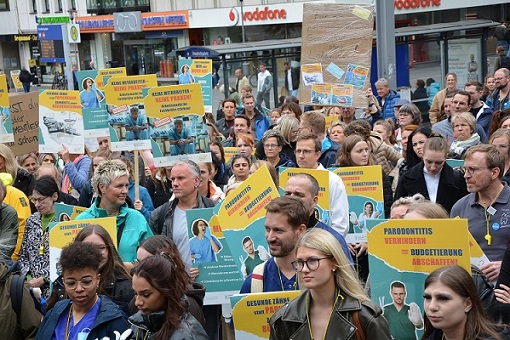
(85, 315)
(115, 280)
(272, 142)
(34, 254)
(332, 304)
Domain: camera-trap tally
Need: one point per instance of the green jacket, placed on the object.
(290, 321)
(30, 317)
(132, 228)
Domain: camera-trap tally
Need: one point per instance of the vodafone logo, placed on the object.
(257, 14)
(233, 16)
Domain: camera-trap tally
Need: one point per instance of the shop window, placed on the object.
(4, 5)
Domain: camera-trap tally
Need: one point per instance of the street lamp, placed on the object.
(242, 19)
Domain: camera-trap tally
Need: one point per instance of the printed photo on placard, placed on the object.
(356, 75)
(6, 134)
(176, 124)
(60, 122)
(321, 94)
(312, 74)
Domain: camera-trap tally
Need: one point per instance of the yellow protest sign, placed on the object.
(18, 85)
(165, 102)
(251, 312)
(322, 177)
(128, 90)
(60, 121)
(246, 203)
(108, 72)
(63, 233)
(421, 245)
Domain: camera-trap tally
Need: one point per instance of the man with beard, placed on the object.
(499, 99)
(286, 220)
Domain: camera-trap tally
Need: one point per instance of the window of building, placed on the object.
(4, 5)
(58, 6)
(34, 6)
(46, 6)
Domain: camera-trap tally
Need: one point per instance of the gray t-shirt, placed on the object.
(180, 236)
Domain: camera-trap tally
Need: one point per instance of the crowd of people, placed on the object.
(147, 272)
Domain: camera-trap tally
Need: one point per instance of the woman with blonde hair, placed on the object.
(336, 132)
(272, 171)
(332, 304)
(21, 178)
(464, 133)
(29, 162)
(289, 128)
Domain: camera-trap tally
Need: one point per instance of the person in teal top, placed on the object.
(136, 125)
(181, 141)
(254, 258)
(111, 182)
(403, 319)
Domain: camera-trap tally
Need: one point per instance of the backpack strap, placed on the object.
(360, 334)
(17, 286)
(257, 278)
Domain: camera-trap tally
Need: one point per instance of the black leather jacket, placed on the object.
(290, 321)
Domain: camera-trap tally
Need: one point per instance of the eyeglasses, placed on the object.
(85, 282)
(38, 200)
(312, 264)
(471, 170)
(270, 146)
(304, 152)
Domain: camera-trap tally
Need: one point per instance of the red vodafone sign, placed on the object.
(414, 4)
(257, 14)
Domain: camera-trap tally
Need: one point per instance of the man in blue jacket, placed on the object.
(386, 98)
(481, 111)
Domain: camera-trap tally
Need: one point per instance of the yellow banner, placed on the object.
(230, 151)
(108, 72)
(201, 67)
(251, 312)
(421, 245)
(174, 100)
(15, 79)
(4, 93)
(128, 90)
(61, 100)
(246, 203)
(63, 233)
(362, 181)
(330, 120)
(322, 177)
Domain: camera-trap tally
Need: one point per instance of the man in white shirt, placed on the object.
(264, 86)
(308, 151)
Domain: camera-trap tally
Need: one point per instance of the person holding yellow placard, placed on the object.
(332, 305)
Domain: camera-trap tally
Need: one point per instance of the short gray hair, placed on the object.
(273, 133)
(193, 167)
(107, 172)
(383, 82)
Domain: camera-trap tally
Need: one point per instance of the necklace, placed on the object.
(307, 308)
(66, 334)
(488, 212)
(280, 276)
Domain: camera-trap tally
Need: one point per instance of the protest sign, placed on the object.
(327, 57)
(61, 122)
(176, 124)
(6, 135)
(66, 212)
(211, 254)
(322, 176)
(241, 216)
(25, 123)
(63, 233)
(364, 188)
(402, 254)
(18, 85)
(198, 71)
(124, 95)
(92, 99)
(251, 312)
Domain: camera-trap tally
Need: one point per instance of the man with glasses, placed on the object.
(499, 99)
(286, 219)
(308, 151)
(487, 207)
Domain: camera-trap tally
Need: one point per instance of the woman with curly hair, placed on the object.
(85, 314)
